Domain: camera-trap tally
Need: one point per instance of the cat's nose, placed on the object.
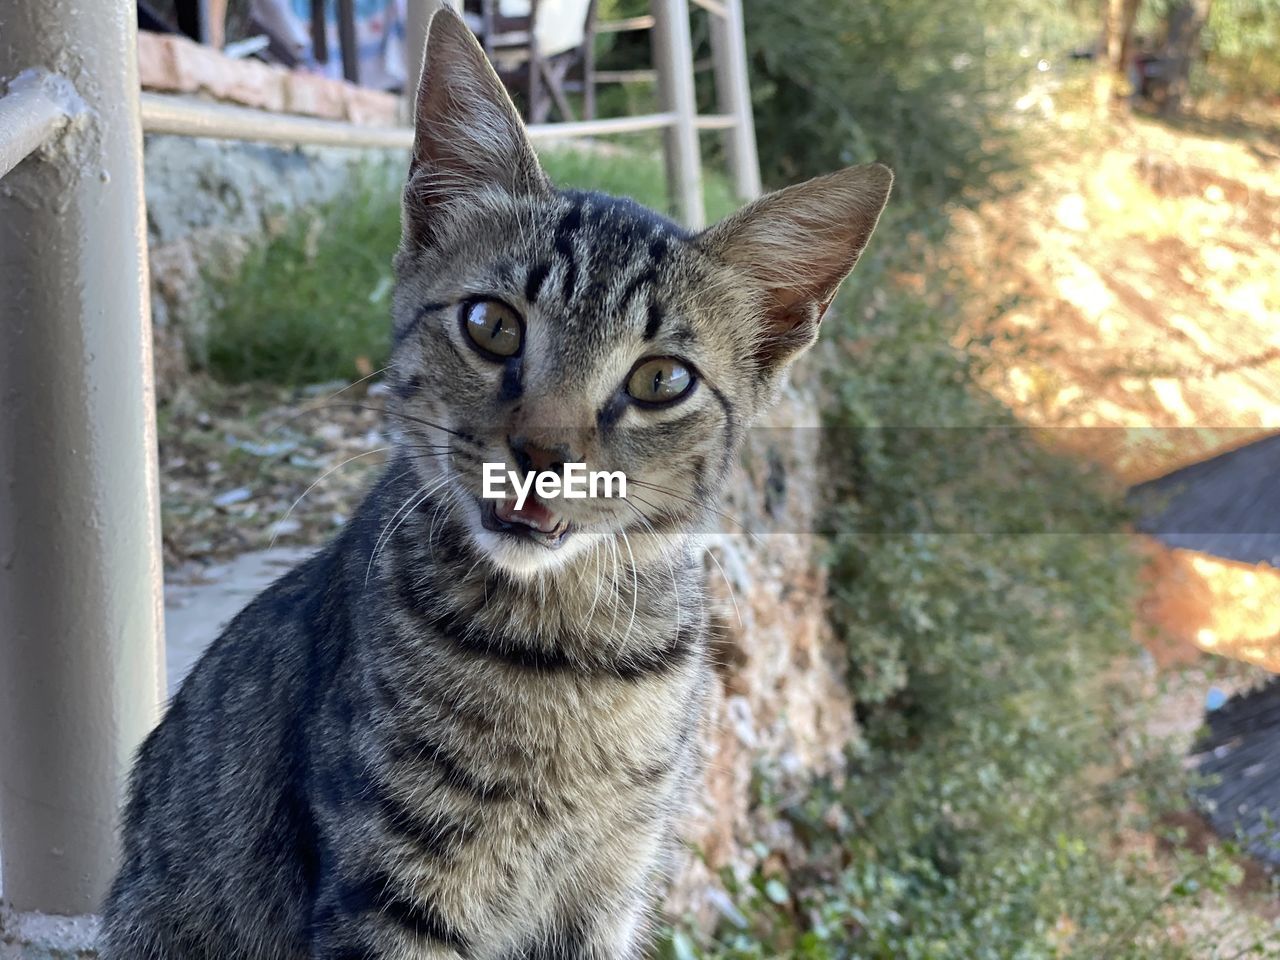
(532, 457)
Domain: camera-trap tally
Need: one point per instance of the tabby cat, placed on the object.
(463, 729)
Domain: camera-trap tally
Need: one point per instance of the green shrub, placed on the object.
(308, 302)
(1243, 44)
(923, 86)
(1239, 46)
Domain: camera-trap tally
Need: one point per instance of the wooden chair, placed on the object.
(543, 50)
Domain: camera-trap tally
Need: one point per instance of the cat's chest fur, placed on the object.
(525, 748)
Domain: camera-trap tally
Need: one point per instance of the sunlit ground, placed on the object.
(1143, 266)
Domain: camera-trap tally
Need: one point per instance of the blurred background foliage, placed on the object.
(1239, 48)
(1242, 48)
(919, 85)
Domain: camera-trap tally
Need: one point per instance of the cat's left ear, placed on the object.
(798, 244)
(468, 135)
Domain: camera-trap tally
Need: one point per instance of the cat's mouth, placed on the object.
(534, 520)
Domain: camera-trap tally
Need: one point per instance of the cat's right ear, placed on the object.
(796, 246)
(468, 135)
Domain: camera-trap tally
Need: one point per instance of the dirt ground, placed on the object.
(249, 467)
(1142, 266)
(1130, 310)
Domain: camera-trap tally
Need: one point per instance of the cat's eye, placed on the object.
(493, 328)
(659, 380)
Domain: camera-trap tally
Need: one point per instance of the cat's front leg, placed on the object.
(619, 935)
(372, 921)
(362, 940)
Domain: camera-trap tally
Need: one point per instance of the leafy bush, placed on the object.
(311, 303)
(1243, 43)
(1238, 56)
(920, 85)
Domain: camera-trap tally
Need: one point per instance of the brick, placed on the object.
(172, 64)
(314, 96)
(370, 107)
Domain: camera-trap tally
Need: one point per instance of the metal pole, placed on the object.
(163, 113)
(673, 55)
(319, 32)
(733, 91)
(347, 40)
(30, 111)
(81, 655)
(213, 17)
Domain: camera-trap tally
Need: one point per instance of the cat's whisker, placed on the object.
(322, 403)
(275, 535)
(675, 495)
(435, 516)
(620, 576)
(403, 416)
(613, 549)
(387, 531)
(675, 584)
(421, 421)
(647, 503)
(408, 507)
(599, 579)
(729, 586)
(470, 570)
(635, 587)
(431, 533)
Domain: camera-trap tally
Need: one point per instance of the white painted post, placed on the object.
(733, 91)
(81, 606)
(673, 55)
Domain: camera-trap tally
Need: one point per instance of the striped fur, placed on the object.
(435, 739)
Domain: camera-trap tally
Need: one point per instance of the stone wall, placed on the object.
(781, 711)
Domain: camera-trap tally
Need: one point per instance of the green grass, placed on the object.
(308, 303)
(312, 302)
(639, 175)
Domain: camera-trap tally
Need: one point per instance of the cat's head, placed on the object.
(535, 327)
